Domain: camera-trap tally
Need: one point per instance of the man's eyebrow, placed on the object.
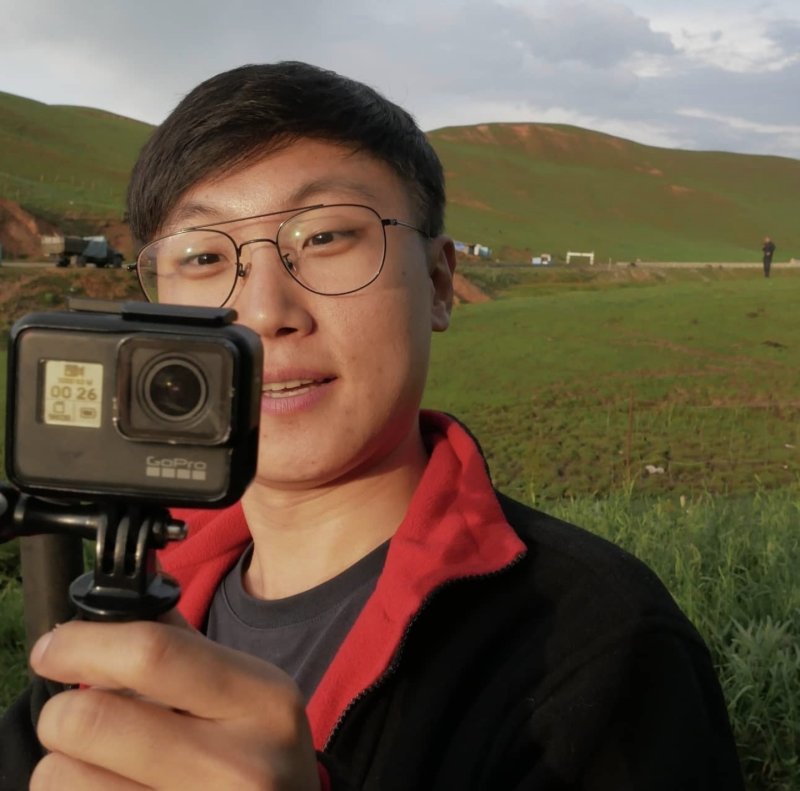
(329, 184)
(195, 213)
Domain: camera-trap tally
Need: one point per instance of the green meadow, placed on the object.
(657, 408)
(578, 381)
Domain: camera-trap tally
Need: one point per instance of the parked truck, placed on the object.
(81, 250)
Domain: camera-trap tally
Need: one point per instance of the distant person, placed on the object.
(769, 250)
(432, 634)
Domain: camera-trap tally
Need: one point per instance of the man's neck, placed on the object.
(303, 538)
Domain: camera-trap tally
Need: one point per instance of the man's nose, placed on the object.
(268, 300)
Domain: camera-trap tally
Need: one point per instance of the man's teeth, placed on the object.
(293, 384)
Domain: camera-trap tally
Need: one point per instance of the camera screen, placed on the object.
(73, 393)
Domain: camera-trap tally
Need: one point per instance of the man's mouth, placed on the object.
(292, 387)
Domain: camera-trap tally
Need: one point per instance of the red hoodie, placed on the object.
(454, 528)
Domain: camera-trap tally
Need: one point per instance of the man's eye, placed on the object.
(319, 239)
(205, 258)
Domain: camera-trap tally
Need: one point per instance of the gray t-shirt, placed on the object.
(300, 634)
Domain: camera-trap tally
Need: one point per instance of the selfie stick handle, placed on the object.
(49, 563)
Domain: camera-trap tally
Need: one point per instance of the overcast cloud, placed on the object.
(707, 74)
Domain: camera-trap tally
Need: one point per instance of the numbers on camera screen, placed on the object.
(72, 393)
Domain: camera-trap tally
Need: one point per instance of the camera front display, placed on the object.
(72, 393)
(153, 403)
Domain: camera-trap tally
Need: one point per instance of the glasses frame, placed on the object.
(242, 271)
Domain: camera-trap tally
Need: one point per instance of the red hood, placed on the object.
(454, 528)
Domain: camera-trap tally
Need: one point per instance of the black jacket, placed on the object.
(572, 669)
(590, 678)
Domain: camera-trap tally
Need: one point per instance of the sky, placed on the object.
(693, 74)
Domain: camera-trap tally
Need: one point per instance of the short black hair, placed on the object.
(238, 115)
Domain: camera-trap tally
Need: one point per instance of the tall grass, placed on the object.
(731, 564)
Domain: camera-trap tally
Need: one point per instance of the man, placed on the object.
(430, 633)
(769, 250)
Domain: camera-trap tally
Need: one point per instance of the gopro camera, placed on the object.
(133, 401)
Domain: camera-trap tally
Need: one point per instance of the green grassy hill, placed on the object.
(66, 162)
(522, 189)
(546, 188)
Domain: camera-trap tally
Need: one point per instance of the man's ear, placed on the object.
(441, 270)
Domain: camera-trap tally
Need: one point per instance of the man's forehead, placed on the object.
(348, 177)
(192, 211)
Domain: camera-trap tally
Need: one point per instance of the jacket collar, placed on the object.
(454, 528)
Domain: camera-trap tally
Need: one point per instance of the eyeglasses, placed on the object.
(328, 249)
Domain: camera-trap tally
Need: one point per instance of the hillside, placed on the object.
(522, 189)
(547, 188)
(66, 164)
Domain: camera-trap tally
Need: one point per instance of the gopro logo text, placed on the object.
(180, 468)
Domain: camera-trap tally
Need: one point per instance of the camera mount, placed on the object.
(125, 584)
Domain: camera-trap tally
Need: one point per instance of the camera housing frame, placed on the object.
(84, 421)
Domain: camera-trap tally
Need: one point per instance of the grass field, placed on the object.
(575, 381)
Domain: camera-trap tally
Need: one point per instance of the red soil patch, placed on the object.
(466, 291)
(20, 231)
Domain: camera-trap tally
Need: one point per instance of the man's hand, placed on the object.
(167, 709)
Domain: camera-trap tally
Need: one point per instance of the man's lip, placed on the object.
(288, 375)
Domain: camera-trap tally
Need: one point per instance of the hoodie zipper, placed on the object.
(393, 665)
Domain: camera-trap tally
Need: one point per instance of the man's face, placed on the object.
(343, 375)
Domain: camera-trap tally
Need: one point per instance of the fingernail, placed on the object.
(40, 647)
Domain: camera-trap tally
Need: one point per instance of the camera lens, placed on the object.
(175, 389)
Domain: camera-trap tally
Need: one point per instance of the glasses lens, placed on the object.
(333, 249)
(189, 268)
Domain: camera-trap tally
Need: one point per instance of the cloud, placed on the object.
(785, 34)
(733, 38)
(628, 67)
(602, 34)
(781, 137)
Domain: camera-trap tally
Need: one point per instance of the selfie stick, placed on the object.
(125, 584)
(49, 563)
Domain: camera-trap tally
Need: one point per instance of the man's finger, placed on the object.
(177, 667)
(98, 728)
(56, 772)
